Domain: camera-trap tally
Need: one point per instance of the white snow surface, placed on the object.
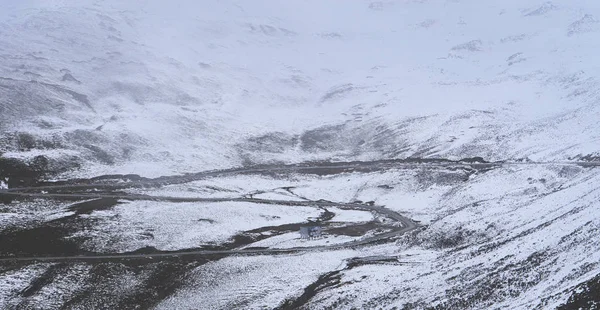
(172, 226)
(204, 84)
(525, 234)
(254, 281)
(155, 88)
(14, 281)
(29, 214)
(350, 215)
(521, 236)
(290, 240)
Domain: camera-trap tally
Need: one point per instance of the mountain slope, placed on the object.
(91, 88)
(194, 85)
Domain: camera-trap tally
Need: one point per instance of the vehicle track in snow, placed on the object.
(71, 191)
(406, 225)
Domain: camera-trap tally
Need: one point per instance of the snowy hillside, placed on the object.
(474, 119)
(161, 88)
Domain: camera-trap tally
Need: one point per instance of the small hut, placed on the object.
(310, 232)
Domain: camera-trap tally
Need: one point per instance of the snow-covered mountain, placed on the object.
(166, 88)
(156, 88)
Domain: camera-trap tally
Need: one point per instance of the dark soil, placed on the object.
(48, 240)
(164, 280)
(26, 174)
(44, 279)
(30, 173)
(585, 296)
(325, 281)
(19, 174)
(155, 281)
(88, 207)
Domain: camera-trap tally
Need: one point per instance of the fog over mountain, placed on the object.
(165, 155)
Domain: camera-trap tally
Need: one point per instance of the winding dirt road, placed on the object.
(404, 225)
(70, 191)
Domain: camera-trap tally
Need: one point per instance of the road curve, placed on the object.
(190, 177)
(405, 224)
(292, 168)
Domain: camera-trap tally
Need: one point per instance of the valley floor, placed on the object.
(429, 234)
